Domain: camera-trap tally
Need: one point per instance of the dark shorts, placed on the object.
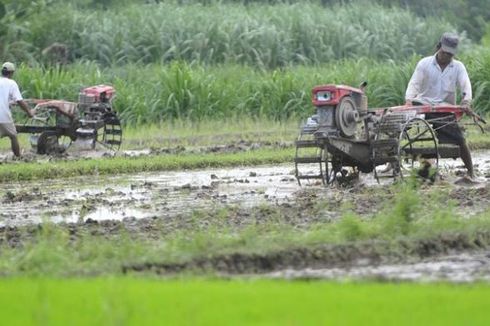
(446, 127)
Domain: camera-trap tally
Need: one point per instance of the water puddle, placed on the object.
(143, 195)
(170, 193)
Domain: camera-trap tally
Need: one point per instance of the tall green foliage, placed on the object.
(267, 36)
(14, 29)
(183, 91)
(470, 16)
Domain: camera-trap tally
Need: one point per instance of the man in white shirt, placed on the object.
(9, 92)
(435, 81)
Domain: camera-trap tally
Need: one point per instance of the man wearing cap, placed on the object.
(435, 81)
(9, 92)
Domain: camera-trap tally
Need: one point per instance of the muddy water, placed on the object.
(143, 195)
(466, 267)
(163, 194)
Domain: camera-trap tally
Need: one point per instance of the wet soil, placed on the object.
(168, 194)
(462, 267)
(82, 150)
(153, 205)
(366, 259)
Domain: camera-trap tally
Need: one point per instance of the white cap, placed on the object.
(8, 66)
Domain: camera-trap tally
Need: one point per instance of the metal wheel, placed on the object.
(47, 142)
(384, 147)
(44, 116)
(329, 174)
(417, 149)
(347, 117)
(309, 158)
(52, 142)
(110, 136)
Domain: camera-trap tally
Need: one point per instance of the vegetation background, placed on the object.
(196, 60)
(185, 61)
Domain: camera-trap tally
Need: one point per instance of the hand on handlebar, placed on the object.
(466, 106)
(31, 113)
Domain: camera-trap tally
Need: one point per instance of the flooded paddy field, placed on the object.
(160, 204)
(169, 193)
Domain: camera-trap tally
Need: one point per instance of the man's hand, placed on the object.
(466, 104)
(30, 113)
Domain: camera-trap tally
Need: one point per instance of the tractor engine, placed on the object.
(337, 135)
(339, 110)
(99, 121)
(94, 104)
(96, 99)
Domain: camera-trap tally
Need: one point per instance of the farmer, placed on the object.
(9, 92)
(435, 81)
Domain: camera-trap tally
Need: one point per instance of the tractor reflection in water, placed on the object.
(57, 123)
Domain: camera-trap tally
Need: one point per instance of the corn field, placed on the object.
(266, 36)
(162, 92)
(224, 59)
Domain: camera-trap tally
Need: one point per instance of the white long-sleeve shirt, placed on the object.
(9, 91)
(429, 84)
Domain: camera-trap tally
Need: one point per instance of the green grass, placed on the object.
(210, 133)
(129, 301)
(105, 166)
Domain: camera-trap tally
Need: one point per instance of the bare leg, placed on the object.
(466, 157)
(15, 145)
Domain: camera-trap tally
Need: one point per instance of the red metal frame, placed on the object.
(96, 91)
(457, 110)
(337, 91)
(340, 91)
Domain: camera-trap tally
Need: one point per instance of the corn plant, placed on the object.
(265, 36)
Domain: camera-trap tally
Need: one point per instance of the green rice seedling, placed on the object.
(130, 300)
(399, 221)
(208, 301)
(350, 227)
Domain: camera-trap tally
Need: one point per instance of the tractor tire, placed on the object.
(47, 142)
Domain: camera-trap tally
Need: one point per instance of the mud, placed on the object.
(333, 261)
(82, 150)
(153, 205)
(465, 267)
(167, 194)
